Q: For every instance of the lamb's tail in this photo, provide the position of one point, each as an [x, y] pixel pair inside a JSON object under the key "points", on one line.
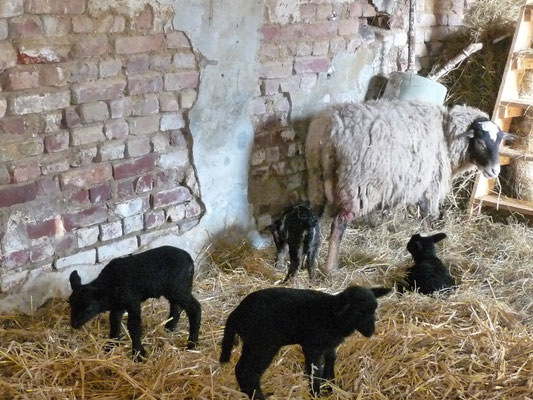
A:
{"points": [[229, 340]]}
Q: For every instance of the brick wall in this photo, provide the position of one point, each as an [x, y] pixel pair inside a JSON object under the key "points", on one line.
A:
{"points": [[298, 51], [94, 144]]}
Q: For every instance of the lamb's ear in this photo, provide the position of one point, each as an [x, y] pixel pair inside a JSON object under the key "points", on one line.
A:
{"points": [[379, 292], [341, 308], [438, 237], [75, 280]]}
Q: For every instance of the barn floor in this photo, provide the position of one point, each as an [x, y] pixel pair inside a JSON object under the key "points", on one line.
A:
{"points": [[476, 343]]}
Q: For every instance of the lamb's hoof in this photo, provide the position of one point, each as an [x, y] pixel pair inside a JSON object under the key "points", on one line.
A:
{"points": [[109, 346], [191, 345], [325, 389], [170, 326], [139, 355]]}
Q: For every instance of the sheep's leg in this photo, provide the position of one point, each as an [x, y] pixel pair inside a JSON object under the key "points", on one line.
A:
{"points": [[329, 369], [311, 248], [194, 314], [338, 226], [295, 256], [250, 367], [135, 330], [175, 311], [314, 367]]}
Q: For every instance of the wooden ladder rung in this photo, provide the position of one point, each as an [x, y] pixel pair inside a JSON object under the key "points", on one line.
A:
{"points": [[506, 203]]}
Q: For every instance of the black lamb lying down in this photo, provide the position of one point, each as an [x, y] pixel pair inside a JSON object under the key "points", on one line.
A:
{"points": [[126, 282], [268, 319], [429, 274], [297, 232]]}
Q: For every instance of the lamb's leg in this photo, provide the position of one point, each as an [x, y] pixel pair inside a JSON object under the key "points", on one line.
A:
{"points": [[250, 367], [314, 367], [175, 311], [311, 249], [295, 256], [194, 314], [115, 317], [281, 256], [329, 369], [338, 226], [135, 330]]}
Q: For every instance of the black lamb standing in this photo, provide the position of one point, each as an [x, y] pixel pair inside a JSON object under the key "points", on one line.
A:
{"points": [[271, 318], [297, 232], [429, 274], [126, 282]]}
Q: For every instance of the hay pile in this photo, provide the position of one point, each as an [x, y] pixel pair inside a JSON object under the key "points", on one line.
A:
{"points": [[476, 343]]}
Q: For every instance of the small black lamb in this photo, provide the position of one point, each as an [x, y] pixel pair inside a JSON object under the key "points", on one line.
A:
{"points": [[271, 318], [428, 274], [126, 282], [297, 232]]}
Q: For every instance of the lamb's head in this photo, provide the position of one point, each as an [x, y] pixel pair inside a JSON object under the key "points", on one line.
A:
{"points": [[85, 301], [356, 308], [422, 246], [484, 145]]}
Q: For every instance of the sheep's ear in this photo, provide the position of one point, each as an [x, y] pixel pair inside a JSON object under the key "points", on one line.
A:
{"points": [[379, 292], [75, 280], [438, 237], [509, 136]]}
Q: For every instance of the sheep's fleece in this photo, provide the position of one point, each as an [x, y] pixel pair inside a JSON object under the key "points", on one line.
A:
{"points": [[377, 154]]}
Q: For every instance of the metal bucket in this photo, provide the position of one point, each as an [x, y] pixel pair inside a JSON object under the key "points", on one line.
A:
{"points": [[409, 86]]}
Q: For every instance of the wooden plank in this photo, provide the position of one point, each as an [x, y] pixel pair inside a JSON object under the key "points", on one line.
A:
{"points": [[506, 203]]}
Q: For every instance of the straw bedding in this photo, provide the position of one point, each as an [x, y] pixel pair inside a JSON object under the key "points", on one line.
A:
{"points": [[476, 343]]}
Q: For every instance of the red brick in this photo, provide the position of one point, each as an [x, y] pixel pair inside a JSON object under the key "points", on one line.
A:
{"points": [[110, 67], [144, 184], [146, 105], [45, 100], [111, 24], [93, 112], [293, 31], [84, 218], [168, 102], [349, 27], [18, 150], [103, 89], [83, 24], [111, 230], [176, 40], [47, 186], [180, 80], [36, 53], [25, 172], [56, 26], [111, 150], [25, 26], [16, 259], [54, 166], [65, 243], [82, 156], [88, 176], [138, 44], [125, 189], [322, 29], [79, 196], [120, 108], [92, 46], [170, 197], [52, 75], [11, 8], [151, 82], [12, 126], [8, 55], [11, 195], [138, 147], [21, 78], [144, 125], [131, 168], [138, 64], [118, 129], [100, 193], [55, 6], [311, 64], [41, 251], [193, 210], [50, 227], [71, 118], [270, 33], [82, 70], [87, 134], [143, 20], [308, 12], [275, 70], [154, 219]]}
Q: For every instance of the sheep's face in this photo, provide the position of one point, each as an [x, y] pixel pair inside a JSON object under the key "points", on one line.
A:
{"points": [[84, 305], [485, 140]]}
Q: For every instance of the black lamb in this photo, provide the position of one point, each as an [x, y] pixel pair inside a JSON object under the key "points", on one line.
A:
{"points": [[429, 274], [126, 282], [297, 232], [271, 318]]}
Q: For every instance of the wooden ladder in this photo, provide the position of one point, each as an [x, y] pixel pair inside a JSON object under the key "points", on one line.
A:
{"points": [[510, 105]]}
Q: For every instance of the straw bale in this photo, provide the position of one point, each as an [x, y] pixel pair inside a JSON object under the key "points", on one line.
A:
{"points": [[476, 342]]}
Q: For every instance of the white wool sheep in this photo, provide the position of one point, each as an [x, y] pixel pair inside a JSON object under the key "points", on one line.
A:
{"points": [[382, 153]]}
